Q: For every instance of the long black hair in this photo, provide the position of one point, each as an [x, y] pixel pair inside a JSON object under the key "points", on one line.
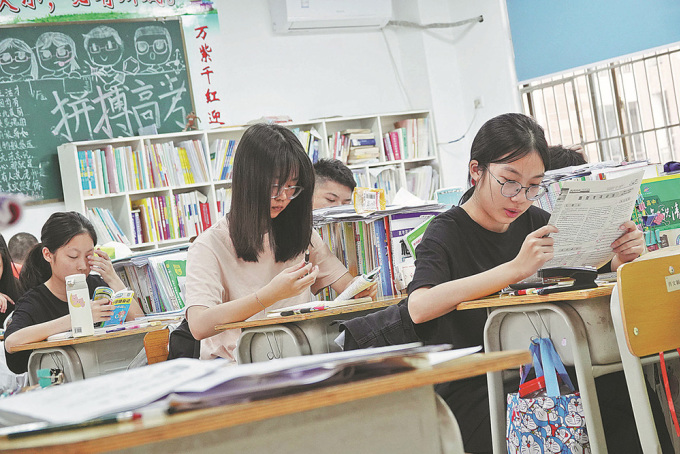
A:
{"points": [[268, 154], [9, 285], [58, 230], [506, 138]]}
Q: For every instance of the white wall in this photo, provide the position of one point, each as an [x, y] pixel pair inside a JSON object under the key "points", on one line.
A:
{"points": [[318, 75]]}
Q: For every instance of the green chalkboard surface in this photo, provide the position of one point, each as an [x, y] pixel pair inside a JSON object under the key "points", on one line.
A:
{"points": [[84, 81]]}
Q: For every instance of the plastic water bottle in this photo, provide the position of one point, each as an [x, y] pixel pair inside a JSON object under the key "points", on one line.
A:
{"points": [[78, 298]]}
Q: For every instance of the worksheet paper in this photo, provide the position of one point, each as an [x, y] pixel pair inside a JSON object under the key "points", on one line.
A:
{"points": [[588, 215]]}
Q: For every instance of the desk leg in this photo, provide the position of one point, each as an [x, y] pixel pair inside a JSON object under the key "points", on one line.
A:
{"points": [[582, 365]]}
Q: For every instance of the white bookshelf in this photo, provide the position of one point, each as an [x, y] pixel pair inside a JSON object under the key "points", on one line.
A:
{"points": [[120, 203]]}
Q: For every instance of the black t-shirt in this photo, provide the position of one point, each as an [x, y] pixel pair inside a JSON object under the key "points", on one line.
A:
{"points": [[453, 247], [36, 306]]}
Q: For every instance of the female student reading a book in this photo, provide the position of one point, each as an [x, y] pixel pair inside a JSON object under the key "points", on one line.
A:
{"points": [[496, 237], [10, 290], [66, 247], [254, 258]]}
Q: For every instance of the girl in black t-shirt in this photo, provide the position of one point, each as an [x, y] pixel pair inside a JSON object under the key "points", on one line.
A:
{"points": [[10, 290], [496, 237], [66, 247]]}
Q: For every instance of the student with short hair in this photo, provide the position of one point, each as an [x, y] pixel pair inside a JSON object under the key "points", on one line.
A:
{"points": [[254, 258], [334, 184], [497, 237], [19, 245], [66, 248], [10, 289]]}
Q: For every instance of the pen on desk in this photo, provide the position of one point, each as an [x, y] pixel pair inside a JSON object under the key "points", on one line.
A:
{"points": [[303, 311], [45, 427]]}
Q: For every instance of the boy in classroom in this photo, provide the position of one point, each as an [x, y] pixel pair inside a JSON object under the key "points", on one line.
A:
{"points": [[19, 245], [333, 185], [497, 237], [66, 248], [264, 253]]}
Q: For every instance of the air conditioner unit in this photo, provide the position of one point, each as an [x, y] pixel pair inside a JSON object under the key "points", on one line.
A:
{"points": [[329, 15]]}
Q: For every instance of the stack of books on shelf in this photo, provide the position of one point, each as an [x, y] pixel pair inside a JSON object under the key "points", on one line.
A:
{"points": [[363, 242], [354, 146], [158, 279], [165, 217], [112, 170], [422, 182], [106, 226], [179, 165], [310, 140], [223, 199], [409, 140], [385, 178], [222, 158], [554, 179]]}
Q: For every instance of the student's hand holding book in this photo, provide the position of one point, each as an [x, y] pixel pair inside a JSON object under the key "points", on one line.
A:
{"points": [[536, 250], [628, 246], [101, 310], [290, 282]]}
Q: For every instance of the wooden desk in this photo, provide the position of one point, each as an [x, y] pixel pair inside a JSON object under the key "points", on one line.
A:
{"points": [[301, 334], [574, 321], [87, 356], [396, 413]]}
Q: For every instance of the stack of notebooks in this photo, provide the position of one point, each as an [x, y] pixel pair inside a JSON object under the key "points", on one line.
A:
{"points": [[112, 170], [158, 279], [363, 243]]}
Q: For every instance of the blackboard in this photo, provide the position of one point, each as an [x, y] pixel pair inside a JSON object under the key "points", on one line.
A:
{"points": [[71, 82]]}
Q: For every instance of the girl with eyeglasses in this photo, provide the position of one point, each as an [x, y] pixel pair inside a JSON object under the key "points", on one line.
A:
{"points": [[254, 258], [496, 237]]}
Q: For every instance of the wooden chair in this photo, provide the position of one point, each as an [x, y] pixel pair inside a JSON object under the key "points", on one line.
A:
{"points": [[645, 307], [156, 345]]}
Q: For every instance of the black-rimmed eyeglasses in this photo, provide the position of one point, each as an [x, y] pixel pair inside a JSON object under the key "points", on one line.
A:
{"points": [[511, 188]]}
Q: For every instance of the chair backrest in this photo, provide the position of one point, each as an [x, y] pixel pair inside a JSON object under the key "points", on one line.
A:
{"points": [[649, 297], [156, 345]]}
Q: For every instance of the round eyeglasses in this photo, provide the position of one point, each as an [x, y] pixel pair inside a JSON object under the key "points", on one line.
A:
{"points": [[290, 191], [511, 188]]}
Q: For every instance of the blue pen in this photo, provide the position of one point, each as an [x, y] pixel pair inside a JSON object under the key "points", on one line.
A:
{"points": [[122, 328]]}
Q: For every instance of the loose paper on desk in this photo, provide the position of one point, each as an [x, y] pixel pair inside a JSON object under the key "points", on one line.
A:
{"points": [[588, 215], [131, 389]]}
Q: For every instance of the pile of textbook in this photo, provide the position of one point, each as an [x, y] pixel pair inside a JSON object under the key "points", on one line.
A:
{"points": [[363, 242], [158, 278]]}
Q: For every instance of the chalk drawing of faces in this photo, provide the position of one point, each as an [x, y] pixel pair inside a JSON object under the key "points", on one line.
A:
{"points": [[56, 54], [105, 49], [154, 46], [17, 61]]}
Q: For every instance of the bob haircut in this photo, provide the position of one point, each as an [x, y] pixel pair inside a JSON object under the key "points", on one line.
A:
{"points": [[58, 230], [266, 155], [506, 138]]}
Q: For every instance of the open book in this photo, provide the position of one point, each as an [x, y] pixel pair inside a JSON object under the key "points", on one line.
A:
{"points": [[120, 301]]}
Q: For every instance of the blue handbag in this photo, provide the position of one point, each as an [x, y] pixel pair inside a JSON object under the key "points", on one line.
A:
{"points": [[549, 421]]}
